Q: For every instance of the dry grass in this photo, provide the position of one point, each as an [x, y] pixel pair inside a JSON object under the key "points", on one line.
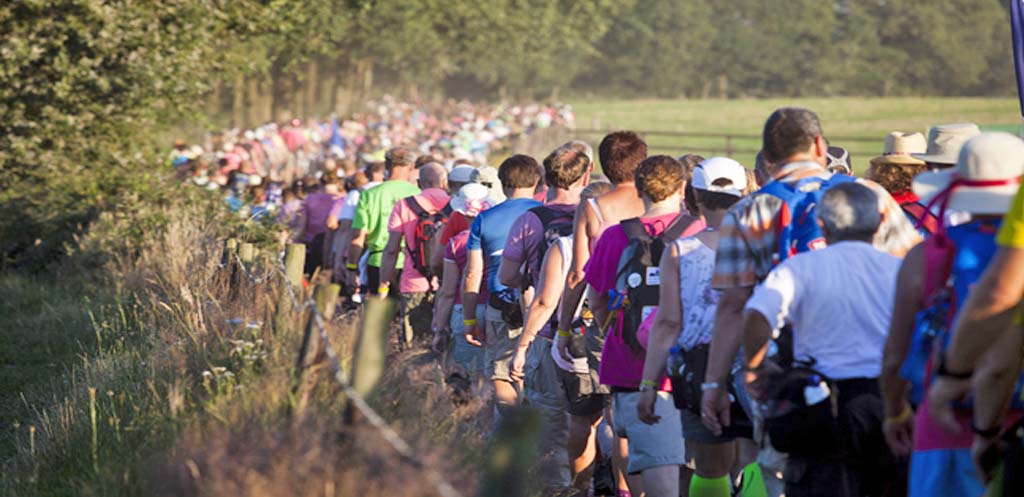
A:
{"points": [[195, 377]]}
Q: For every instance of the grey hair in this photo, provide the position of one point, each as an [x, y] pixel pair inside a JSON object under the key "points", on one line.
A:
{"points": [[849, 211]]}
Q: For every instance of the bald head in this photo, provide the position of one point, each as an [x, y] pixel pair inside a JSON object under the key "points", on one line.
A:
{"points": [[433, 175]]}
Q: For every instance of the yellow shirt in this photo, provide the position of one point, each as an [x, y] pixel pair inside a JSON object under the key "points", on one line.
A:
{"points": [[1012, 232]]}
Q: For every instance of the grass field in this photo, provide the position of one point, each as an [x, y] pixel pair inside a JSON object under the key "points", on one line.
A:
{"points": [[859, 124]]}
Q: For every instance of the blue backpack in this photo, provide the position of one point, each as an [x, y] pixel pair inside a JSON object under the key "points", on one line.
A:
{"points": [[955, 258], [798, 228]]}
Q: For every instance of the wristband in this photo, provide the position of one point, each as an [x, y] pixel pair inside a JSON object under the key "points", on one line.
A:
{"points": [[649, 383], [352, 266], [902, 417], [383, 289], [942, 371], [709, 385], [469, 322], [564, 333], [987, 434]]}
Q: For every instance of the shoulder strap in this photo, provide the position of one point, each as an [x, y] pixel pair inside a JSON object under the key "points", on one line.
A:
{"points": [[597, 209], [939, 251], [924, 217], [678, 227], [635, 229], [416, 207], [447, 210], [547, 215]]}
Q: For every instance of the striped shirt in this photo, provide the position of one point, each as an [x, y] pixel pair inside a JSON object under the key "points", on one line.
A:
{"points": [[748, 241]]}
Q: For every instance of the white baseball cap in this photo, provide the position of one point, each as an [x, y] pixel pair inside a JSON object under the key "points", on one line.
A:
{"points": [[715, 168]]}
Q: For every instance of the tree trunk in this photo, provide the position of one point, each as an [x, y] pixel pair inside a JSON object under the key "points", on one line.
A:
{"points": [[311, 84], [253, 106], [238, 103], [723, 86], [213, 99]]}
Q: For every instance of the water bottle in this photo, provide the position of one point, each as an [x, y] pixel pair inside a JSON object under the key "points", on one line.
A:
{"points": [[816, 390], [675, 362]]}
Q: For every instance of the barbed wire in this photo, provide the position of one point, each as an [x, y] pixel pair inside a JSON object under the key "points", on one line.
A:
{"points": [[393, 439]]}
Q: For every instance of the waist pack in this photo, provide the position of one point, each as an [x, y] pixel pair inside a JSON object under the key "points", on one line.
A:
{"points": [[507, 302], [687, 393], [802, 411]]}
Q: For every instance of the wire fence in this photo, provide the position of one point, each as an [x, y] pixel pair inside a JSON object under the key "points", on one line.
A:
{"points": [[315, 323]]}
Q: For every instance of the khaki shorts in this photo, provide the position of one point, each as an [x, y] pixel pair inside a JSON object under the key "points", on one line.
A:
{"points": [[544, 392], [650, 446], [499, 346]]}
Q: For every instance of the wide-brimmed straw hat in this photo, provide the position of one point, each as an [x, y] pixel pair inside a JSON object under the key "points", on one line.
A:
{"points": [[984, 180], [472, 199], [945, 140], [898, 149]]}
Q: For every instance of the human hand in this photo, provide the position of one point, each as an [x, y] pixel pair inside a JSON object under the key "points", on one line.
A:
{"points": [[987, 453], [941, 394], [714, 410], [562, 346], [518, 364], [757, 380], [645, 407], [899, 432], [474, 335]]}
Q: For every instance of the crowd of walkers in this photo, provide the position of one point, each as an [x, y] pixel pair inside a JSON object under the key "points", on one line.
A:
{"points": [[690, 326]]}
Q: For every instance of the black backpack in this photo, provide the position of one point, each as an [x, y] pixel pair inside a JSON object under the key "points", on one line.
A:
{"points": [[427, 225], [556, 224], [638, 277]]}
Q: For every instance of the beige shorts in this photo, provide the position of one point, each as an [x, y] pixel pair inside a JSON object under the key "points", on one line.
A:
{"points": [[499, 346]]}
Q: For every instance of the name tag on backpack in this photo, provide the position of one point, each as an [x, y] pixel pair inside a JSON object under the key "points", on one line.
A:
{"points": [[654, 276]]}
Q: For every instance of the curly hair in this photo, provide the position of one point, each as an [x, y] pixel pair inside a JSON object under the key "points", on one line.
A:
{"points": [[659, 176], [895, 178]]}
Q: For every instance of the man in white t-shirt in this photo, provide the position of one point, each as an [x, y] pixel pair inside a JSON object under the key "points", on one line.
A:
{"points": [[839, 302]]}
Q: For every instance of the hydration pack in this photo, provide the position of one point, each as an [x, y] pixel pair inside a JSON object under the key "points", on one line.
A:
{"points": [[555, 224], [427, 225], [798, 230], [954, 260], [638, 278]]}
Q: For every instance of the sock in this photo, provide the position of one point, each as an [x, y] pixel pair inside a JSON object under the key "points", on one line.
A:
{"points": [[753, 482], [710, 487]]}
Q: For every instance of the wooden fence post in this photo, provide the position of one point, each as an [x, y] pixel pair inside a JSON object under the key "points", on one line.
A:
{"points": [[371, 347], [230, 248], [247, 254], [294, 262], [512, 453]]}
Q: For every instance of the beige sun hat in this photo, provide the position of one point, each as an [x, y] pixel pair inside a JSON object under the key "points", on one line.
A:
{"points": [[899, 146], [488, 176], [945, 140], [984, 180]]}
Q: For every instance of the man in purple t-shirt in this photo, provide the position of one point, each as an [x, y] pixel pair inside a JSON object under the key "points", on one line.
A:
{"points": [[566, 172]]}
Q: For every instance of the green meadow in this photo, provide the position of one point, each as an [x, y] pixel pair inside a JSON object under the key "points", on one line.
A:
{"points": [[859, 124]]}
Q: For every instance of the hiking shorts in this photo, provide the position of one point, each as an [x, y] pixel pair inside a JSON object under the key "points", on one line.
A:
{"points": [[583, 391], [499, 345], [465, 354], [543, 392], [650, 446]]}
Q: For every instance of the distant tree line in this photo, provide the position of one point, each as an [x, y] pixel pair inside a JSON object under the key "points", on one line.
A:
{"points": [[87, 86]]}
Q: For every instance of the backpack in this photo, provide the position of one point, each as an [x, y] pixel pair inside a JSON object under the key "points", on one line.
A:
{"points": [[954, 261], [556, 224], [427, 225], [638, 277], [798, 230], [926, 222]]}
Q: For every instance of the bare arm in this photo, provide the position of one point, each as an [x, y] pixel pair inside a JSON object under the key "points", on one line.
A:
{"points": [[436, 261], [471, 288], [994, 381], [547, 295], [390, 257], [901, 330], [668, 323], [450, 280], [510, 274], [584, 228]]}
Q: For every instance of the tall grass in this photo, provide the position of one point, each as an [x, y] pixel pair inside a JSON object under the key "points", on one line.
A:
{"points": [[183, 386]]}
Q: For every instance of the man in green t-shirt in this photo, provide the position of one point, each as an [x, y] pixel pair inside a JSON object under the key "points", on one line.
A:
{"points": [[370, 224]]}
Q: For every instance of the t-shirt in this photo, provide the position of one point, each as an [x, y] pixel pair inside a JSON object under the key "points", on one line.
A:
{"points": [[372, 215], [1011, 234], [348, 210], [455, 251], [839, 301], [748, 239], [456, 224], [698, 299], [489, 232], [526, 240], [403, 221], [620, 365], [317, 206]]}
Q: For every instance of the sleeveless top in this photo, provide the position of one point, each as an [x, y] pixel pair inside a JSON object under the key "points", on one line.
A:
{"points": [[699, 301], [592, 202], [579, 365]]}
